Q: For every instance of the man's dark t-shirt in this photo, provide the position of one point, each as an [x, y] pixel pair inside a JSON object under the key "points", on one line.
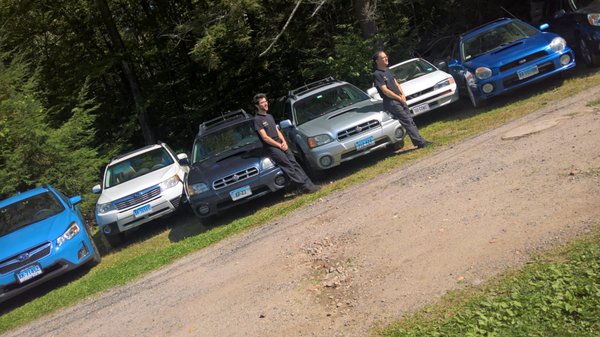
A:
{"points": [[385, 77], [268, 123]]}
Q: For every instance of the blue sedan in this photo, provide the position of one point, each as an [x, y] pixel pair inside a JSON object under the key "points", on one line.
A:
{"points": [[42, 235], [504, 55]]}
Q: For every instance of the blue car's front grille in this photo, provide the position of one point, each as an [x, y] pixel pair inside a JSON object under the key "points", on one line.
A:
{"points": [[137, 198], [358, 129], [24, 258], [234, 178], [523, 60], [543, 68]]}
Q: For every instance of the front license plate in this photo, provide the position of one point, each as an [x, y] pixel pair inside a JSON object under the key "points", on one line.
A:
{"points": [[29, 273], [240, 193], [527, 72], [365, 143], [138, 212], [420, 108]]}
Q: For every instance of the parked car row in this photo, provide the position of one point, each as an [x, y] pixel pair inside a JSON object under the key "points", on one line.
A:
{"points": [[327, 122]]}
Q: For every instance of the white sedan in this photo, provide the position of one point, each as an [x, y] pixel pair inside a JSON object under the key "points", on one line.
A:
{"points": [[425, 86]]}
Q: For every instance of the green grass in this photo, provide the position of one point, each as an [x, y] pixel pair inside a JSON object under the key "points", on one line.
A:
{"points": [[593, 102], [557, 294], [135, 260]]}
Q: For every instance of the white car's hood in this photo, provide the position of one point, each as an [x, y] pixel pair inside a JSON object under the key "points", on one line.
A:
{"points": [[416, 85], [137, 184]]}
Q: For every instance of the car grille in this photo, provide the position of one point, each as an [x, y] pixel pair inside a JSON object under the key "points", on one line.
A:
{"points": [[523, 60], [413, 104], [514, 79], [138, 198], [420, 93], [234, 178], [355, 130], [20, 260]]}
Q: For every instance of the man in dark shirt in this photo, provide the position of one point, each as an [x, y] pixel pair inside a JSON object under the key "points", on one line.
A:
{"points": [[394, 100], [276, 146]]}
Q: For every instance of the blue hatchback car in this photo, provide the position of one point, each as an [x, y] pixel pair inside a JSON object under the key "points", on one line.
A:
{"points": [[42, 235], [504, 55]]}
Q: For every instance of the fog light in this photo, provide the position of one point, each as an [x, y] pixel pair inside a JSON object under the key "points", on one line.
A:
{"points": [[203, 209], [326, 161], [565, 59], [83, 252], [106, 230], [399, 133], [487, 88], [280, 180]]}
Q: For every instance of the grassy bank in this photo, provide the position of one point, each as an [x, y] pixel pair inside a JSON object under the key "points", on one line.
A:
{"points": [[138, 259]]}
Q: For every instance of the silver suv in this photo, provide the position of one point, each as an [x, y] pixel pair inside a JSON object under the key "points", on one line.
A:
{"points": [[138, 187], [329, 121]]}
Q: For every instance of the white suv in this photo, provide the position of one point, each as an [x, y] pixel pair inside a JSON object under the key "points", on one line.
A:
{"points": [[138, 187]]}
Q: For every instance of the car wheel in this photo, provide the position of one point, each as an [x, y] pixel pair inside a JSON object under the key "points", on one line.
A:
{"points": [[115, 240], [398, 145], [314, 174], [95, 260], [475, 101], [590, 59]]}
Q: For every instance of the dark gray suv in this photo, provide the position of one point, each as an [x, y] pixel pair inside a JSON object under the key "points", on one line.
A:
{"points": [[229, 166]]}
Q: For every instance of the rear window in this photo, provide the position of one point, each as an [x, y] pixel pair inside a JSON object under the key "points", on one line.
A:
{"points": [[28, 211]]}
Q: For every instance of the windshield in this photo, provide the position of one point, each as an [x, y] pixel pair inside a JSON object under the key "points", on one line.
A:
{"points": [[496, 37], [137, 166], [326, 101], [578, 4], [214, 144], [28, 211], [413, 69]]}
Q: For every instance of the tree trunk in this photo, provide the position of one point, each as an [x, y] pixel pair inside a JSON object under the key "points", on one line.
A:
{"points": [[364, 12], [128, 70]]}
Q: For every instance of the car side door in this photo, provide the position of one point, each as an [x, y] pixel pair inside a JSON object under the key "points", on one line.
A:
{"points": [[456, 68]]}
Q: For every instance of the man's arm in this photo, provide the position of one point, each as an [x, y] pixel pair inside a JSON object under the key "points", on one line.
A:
{"points": [[263, 134], [393, 95]]}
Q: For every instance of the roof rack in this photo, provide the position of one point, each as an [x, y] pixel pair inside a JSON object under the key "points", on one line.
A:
{"points": [[481, 26], [307, 87], [225, 116]]}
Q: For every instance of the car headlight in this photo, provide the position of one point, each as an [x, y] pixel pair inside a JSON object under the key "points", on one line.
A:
{"points": [[558, 44], [469, 78], [443, 83], [171, 182], [318, 140], [483, 72], [68, 234], [197, 188], [105, 208], [266, 164], [594, 19]]}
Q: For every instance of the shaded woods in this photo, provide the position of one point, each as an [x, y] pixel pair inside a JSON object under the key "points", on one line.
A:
{"points": [[83, 80]]}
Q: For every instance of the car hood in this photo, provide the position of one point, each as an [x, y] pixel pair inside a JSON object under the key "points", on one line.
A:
{"points": [[227, 164], [344, 118], [512, 52], [137, 184], [35, 234], [424, 82]]}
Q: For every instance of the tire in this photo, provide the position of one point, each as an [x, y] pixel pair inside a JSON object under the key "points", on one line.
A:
{"points": [[590, 59], [398, 145], [475, 101], [96, 258], [313, 174], [115, 240]]}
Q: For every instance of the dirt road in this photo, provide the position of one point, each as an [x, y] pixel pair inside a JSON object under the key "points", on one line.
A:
{"points": [[371, 253]]}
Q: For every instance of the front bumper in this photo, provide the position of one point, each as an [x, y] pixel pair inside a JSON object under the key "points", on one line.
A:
{"points": [[59, 260], [215, 201], [433, 100], [509, 80], [118, 221], [336, 152]]}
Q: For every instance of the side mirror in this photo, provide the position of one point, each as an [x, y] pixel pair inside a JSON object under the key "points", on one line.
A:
{"points": [[374, 94], [183, 159], [544, 26], [285, 124], [96, 189], [559, 13], [75, 200], [453, 63], [442, 65]]}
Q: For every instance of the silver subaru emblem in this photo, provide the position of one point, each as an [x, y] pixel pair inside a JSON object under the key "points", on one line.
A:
{"points": [[522, 61], [23, 257], [358, 129], [235, 177]]}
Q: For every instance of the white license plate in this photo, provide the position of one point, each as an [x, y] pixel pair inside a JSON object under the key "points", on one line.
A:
{"points": [[240, 193], [364, 143], [29, 273], [138, 212], [527, 72], [420, 108]]}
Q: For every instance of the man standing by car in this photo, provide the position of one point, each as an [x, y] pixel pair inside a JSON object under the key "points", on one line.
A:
{"points": [[276, 146], [394, 100]]}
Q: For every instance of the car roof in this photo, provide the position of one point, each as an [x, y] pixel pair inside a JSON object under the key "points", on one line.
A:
{"points": [[317, 86], [23, 195], [485, 27], [225, 120], [134, 153]]}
